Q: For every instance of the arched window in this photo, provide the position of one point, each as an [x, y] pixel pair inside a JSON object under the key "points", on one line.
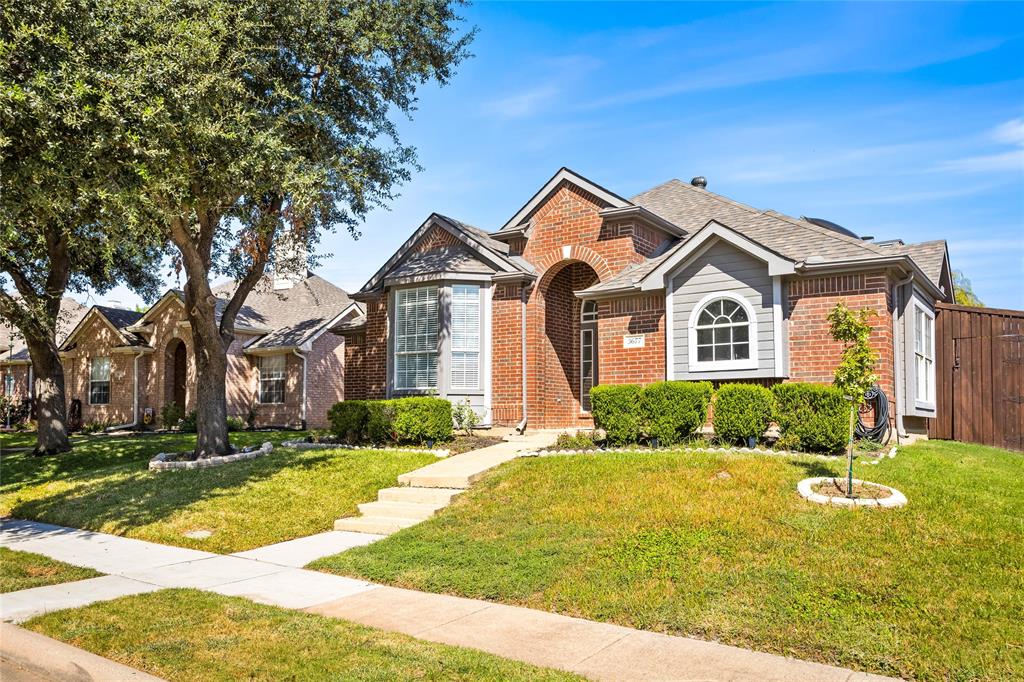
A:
{"points": [[723, 333]]}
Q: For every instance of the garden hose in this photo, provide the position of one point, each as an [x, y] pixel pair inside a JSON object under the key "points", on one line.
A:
{"points": [[881, 431]]}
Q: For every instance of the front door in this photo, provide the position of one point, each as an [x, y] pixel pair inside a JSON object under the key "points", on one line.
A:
{"points": [[180, 369]]}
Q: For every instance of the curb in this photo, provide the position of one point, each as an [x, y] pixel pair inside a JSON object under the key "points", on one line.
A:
{"points": [[54, 660]]}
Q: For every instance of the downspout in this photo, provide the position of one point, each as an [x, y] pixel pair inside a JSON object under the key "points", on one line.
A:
{"points": [[521, 426], [302, 410], [898, 354], [135, 398]]}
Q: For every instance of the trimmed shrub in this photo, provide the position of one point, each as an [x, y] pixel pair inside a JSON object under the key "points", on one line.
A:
{"points": [[188, 422], [170, 415], [421, 419], [380, 420], [616, 409], [581, 440], [236, 424], [674, 410], [741, 411], [349, 419], [816, 416]]}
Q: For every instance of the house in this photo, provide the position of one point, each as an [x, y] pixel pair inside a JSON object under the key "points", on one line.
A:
{"points": [[16, 365], [123, 366], [582, 286]]}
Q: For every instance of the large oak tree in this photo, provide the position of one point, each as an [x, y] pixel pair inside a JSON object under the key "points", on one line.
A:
{"points": [[65, 225], [266, 124]]}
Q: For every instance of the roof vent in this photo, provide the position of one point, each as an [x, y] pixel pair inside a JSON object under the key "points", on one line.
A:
{"points": [[700, 181]]}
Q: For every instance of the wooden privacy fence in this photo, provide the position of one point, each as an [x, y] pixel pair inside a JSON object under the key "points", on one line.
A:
{"points": [[979, 376]]}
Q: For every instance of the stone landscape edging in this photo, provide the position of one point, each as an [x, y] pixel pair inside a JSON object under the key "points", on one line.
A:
{"points": [[305, 445], [549, 452], [160, 461], [806, 490]]}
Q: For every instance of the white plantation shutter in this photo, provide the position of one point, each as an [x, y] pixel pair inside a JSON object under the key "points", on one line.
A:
{"points": [[465, 336], [416, 338]]}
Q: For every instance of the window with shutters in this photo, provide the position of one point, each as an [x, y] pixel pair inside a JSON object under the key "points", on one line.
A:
{"points": [[416, 338], [99, 381], [465, 330], [272, 377]]}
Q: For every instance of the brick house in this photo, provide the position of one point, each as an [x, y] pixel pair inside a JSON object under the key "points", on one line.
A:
{"points": [[122, 366], [582, 286]]}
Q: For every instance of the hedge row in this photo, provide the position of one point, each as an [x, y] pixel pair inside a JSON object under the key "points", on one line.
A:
{"points": [[400, 420], [811, 417]]}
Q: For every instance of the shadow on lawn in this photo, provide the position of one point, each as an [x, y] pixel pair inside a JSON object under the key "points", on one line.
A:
{"points": [[131, 496], [814, 469]]}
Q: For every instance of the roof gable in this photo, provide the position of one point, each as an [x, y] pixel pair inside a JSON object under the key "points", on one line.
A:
{"points": [[465, 240], [564, 174]]}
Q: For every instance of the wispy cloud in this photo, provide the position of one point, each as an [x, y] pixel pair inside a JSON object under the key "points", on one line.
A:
{"points": [[1007, 133], [521, 104]]}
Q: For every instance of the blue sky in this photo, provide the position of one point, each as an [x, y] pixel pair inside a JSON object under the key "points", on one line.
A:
{"points": [[899, 120]]}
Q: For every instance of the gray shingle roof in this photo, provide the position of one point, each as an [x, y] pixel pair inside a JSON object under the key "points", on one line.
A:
{"points": [[930, 256], [456, 259], [691, 208], [12, 346], [292, 314]]}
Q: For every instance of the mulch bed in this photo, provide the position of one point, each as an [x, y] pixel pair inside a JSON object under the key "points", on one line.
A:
{"points": [[836, 487]]}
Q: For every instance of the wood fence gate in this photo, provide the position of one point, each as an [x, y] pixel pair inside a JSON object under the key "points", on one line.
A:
{"points": [[979, 376]]}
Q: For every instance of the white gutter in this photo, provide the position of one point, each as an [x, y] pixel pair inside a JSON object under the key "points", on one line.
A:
{"points": [[521, 426], [898, 354], [302, 410], [135, 398]]}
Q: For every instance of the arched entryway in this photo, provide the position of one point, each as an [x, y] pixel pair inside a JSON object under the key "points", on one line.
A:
{"points": [[176, 373], [567, 358]]}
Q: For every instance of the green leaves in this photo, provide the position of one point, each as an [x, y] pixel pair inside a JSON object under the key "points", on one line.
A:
{"points": [[855, 374]]}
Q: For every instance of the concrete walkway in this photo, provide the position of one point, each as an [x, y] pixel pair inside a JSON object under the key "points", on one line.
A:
{"points": [[596, 650], [421, 493]]}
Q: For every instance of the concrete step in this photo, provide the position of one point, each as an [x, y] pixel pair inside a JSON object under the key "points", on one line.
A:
{"points": [[400, 510], [428, 495], [377, 525], [415, 480]]}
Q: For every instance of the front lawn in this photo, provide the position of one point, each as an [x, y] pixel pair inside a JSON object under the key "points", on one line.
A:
{"points": [[721, 547], [105, 485], [25, 570], [189, 635]]}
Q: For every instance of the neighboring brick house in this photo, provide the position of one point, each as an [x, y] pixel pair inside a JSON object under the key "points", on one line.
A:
{"points": [[582, 287], [124, 366], [16, 376]]}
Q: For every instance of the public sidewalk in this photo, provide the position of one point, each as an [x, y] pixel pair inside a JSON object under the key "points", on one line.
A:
{"points": [[596, 650]]}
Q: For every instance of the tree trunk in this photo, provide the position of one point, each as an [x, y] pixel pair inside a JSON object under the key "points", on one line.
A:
{"points": [[48, 387], [211, 400], [211, 372]]}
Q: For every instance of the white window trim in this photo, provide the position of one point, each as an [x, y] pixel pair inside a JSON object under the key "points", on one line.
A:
{"points": [[917, 304], [395, 353], [721, 365], [259, 380], [454, 387], [109, 381]]}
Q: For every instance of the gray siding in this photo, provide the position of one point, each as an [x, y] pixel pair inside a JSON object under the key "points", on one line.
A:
{"points": [[723, 268]]}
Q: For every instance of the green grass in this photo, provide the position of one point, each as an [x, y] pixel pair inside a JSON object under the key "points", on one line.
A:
{"points": [[191, 636], [659, 541], [104, 484], [24, 570]]}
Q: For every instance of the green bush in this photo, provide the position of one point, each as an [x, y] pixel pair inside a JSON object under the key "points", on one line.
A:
{"points": [[616, 409], [380, 421], [188, 422], [349, 420], [815, 416], [419, 419], [170, 415], [741, 411], [465, 417], [674, 410], [236, 424], [581, 440]]}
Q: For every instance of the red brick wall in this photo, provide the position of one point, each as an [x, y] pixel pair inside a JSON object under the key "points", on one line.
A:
{"points": [[374, 349], [326, 376], [569, 218], [813, 355], [96, 339], [355, 372], [631, 316], [506, 354]]}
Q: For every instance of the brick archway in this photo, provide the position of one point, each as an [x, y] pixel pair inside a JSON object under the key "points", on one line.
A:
{"points": [[555, 395]]}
